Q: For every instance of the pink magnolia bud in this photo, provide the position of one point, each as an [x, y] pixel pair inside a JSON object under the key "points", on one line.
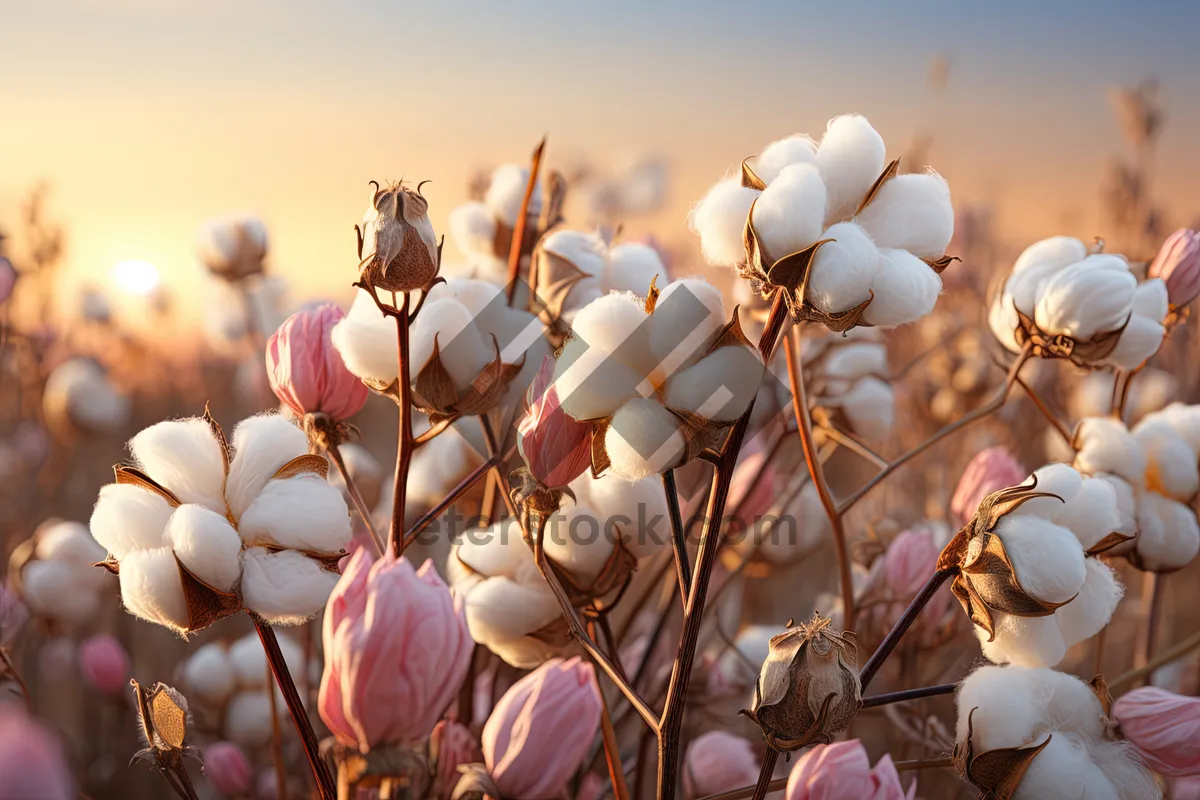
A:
{"points": [[718, 762], [842, 770], [396, 650], [452, 744], [541, 729], [31, 759], [556, 447], [903, 569], [104, 664], [1164, 727], [305, 369], [989, 471], [1178, 264], [228, 768]]}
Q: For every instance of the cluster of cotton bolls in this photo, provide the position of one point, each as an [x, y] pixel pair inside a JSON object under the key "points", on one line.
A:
{"points": [[1086, 307], [482, 229], [881, 238], [847, 377], [79, 396], [1019, 707], [1153, 472], [55, 574], [595, 540]]}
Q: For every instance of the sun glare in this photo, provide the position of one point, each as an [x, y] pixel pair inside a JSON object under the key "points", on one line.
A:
{"points": [[138, 277]]}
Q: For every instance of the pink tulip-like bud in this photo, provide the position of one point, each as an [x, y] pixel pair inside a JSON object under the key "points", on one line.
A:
{"points": [[842, 770], [31, 759], [396, 650], [305, 369], [989, 471], [718, 762], [542, 729], [556, 447], [1178, 264], [13, 615], [1164, 727], [903, 569], [451, 745], [227, 767], [104, 664], [8, 279]]}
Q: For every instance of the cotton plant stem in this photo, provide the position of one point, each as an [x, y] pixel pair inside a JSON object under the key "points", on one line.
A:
{"points": [[404, 439], [450, 499], [847, 441], [608, 734], [908, 694], [1153, 590], [924, 763], [765, 772], [1050, 416], [283, 678], [902, 625], [355, 496], [518, 239], [1178, 651], [678, 536], [276, 739], [501, 480], [817, 472], [746, 792]]}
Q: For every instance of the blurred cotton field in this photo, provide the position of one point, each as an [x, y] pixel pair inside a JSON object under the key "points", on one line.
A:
{"points": [[566, 418]]}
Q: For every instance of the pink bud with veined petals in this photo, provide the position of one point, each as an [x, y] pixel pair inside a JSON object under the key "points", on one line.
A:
{"points": [[396, 650], [842, 770], [540, 731], [989, 471], [718, 762], [556, 447], [306, 371], [227, 767], [1164, 727], [31, 759], [104, 664], [452, 744], [1178, 264], [903, 569]]}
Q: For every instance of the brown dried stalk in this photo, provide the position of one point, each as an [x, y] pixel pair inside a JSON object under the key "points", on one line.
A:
{"points": [[1153, 594], [908, 694], [678, 537], [1178, 651], [765, 772], [902, 625], [404, 440], [748, 791], [518, 239], [276, 739]]}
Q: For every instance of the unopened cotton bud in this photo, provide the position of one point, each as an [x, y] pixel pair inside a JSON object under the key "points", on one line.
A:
{"points": [[782, 153], [790, 214], [905, 289], [841, 771], [990, 470], [718, 762], [1178, 264], [850, 158], [306, 371], [720, 220], [556, 447], [399, 247], [911, 212], [842, 271]]}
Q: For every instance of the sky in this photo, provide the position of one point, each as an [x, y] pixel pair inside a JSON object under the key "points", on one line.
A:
{"points": [[147, 117]]}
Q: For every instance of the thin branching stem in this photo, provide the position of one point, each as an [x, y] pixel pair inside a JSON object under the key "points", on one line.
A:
{"points": [[355, 496], [404, 439], [450, 499], [908, 694], [678, 537], [1050, 416], [902, 625], [1166, 657]]}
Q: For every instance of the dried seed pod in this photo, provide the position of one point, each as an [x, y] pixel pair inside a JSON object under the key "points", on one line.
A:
{"points": [[397, 246]]}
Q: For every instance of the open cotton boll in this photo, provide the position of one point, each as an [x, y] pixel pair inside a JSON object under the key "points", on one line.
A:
{"points": [[1150, 299], [1046, 558], [69, 543], [476, 295], [1055, 253], [248, 718], [366, 341], [1124, 768], [1060, 480], [497, 550], [1082, 301], [461, 347], [151, 588], [579, 540], [1168, 534], [128, 518], [284, 588], [207, 545], [51, 589], [249, 663], [507, 191], [262, 444], [870, 407], [473, 228], [856, 360], [1003, 320], [631, 268], [629, 505], [1141, 339], [586, 251], [718, 387], [1106, 445], [591, 381], [1092, 514], [1083, 617], [686, 321], [303, 513], [644, 439], [184, 457], [905, 287], [1069, 704], [1024, 641], [1010, 703], [719, 219], [1064, 769], [850, 158], [1185, 420], [842, 271], [1171, 467], [911, 212], [209, 673], [790, 213], [500, 608], [798, 148]]}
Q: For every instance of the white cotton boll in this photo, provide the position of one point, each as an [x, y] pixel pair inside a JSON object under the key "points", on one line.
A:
{"points": [[644, 439], [592, 382], [1060, 480], [1003, 320], [1168, 535], [631, 506], [475, 295], [1064, 769], [1150, 299], [183, 456], [614, 322], [461, 347], [842, 271], [579, 540], [690, 314], [284, 588], [1024, 641], [1141, 339], [719, 219], [790, 214], [262, 444], [51, 589], [248, 718], [1106, 445], [209, 674], [1056, 252], [870, 407], [1125, 770], [507, 191], [1171, 467], [1185, 420], [631, 268], [911, 212], [856, 360], [303, 513], [69, 543], [850, 158], [503, 609], [1009, 702], [497, 550], [128, 518], [207, 545], [906, 289], [1083, 301], [586, 251], [151, 587], [1071, 705], [1046, 558], [1126, 507], [473, 228], [798, 148], [249, 663], [1092, 514], [1083, 617], [366, 341], [718, 387], [1026, 288], [787, 537]]}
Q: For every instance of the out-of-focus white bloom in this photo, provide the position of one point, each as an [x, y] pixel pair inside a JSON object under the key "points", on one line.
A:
{"points": [[1089, 308], [228, 323], [879, 238], [847, 377], [202, 528], [1150, 390], [794, 525], [482, 230], [737, 667], [233, 247], [1062, 727], [57, 580], [79, 396]]}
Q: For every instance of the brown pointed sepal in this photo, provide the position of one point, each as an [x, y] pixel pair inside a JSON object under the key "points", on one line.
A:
{"points": [[205, 604], [997, 774], [889, 172], [1114, 539], [939, 265]]}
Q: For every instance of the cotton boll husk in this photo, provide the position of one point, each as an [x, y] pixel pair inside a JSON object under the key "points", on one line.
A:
{"points": [[151, 587], [207, 545], [1003, 320], [842, 271], [507, 191], [1168, 535], [1106, 445], [1011, 705], [303, 513], [1055, 252], [850, 158], [262, 444], [1024, 641], [249, 663], [718, 387], [720, 220], [1046, 558], [790, 214], [1064, 769], [1171, 467], [1083, 617], [1150, 299], [473, 228], [798, 148], [1060, 480], [284, 588], [686, 321], [856, 360], [906, 289], [627, 503], [366, 341], [911, 212], [1092, 514], [576, 539], [1083, 301], [209, 674], [870, 407], [51, 589], [183, 456], [631, 268], [644, 439], [1185, 420], [1141, 339], [462, 348], [248, 718], [128, 518], [500, 608]]}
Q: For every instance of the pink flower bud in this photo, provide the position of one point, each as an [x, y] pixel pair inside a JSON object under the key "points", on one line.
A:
{"points": [[901, 572], [541, 729], [305, 369], [13, 615], [228, 768], [31, 759], [556, 447], [104, 664], [8, 279], [718, 762], [842, 770], [452, 744], [989, 470], [1164, 727], [396, 650], [1178, 264]]}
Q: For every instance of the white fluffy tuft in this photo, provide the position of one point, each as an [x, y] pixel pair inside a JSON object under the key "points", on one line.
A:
{"points": [[644, 439], [151, 588], [905, 287], [366, 341], [129, 518], [303, 513], [850, 157], [207, 545], [798, 148], [842, 271], [507, 191], [719, 219], [284, 588], [473, 228], [718, 387], [183, 455], [913, 213], [262, 444], [631, 268], [790, 213], [461, 346]]}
